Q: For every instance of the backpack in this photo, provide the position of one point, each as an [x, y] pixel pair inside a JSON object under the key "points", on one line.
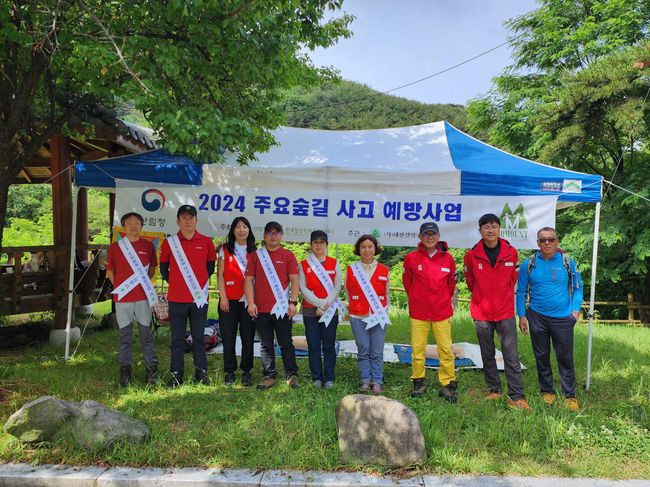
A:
{"points": [[211, 336], [566, 260]]}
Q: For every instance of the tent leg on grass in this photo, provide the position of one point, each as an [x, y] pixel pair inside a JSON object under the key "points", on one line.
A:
{"points": [[592, 294], [73, 251]]}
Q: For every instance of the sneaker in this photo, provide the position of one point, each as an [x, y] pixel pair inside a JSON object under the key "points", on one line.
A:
{"points": [[151, 375], [365, 386], [293, 381], [448, 392], [125, 375], [229, 379], [328, 384], [267, 383], [571, 403], [318, 383], [176, 380], [519, 404], [419, 387], [493, 395], [376, 388], [246, 379], [201, 377], [548, 398]]}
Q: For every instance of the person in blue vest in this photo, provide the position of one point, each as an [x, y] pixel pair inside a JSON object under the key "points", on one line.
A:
{"points": [[554, 285]]}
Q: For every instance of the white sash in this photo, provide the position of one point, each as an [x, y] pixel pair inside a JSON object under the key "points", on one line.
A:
{"points": [[378, 315], [242, 261], [139, 276], [200, 295], [281, 295], [327, 283]]}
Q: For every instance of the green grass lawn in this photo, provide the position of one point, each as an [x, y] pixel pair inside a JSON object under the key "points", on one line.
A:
{"points": [[296, 429]]}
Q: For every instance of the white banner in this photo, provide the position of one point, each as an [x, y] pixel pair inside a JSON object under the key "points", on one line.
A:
{"points": [[394, 218]]}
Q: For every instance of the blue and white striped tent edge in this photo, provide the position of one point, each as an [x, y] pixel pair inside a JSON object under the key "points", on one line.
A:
{"points": [[435, 157]]}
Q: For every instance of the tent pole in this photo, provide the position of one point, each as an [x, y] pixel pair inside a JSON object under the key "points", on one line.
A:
{"points": [[592, 294], [73, 251]]}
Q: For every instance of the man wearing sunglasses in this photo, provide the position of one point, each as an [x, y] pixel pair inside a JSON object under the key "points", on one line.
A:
{"points": [[491, 273], [555, 288], [271, 285]]}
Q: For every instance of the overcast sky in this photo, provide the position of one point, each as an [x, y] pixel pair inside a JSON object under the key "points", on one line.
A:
{"points": [[397, 42]]}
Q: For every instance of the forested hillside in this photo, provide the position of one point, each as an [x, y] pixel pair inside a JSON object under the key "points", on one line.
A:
{"points": [[353, 106]]}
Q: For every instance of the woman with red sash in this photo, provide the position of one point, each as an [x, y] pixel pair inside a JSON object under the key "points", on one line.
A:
{"points": [[370, 341], [233, 257], [320, 285]]}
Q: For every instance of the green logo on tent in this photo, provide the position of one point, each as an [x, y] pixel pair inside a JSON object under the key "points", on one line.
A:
{"points": [[513, 223]]}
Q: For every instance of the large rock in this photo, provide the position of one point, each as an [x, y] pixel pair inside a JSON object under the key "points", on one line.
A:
{"points": [[40, 420], [97, 426], [378, 430]]}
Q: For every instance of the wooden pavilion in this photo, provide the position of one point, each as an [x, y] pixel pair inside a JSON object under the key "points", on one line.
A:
{"points": [[26, 290]]}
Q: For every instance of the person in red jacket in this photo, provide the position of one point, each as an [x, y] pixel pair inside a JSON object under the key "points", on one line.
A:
{"points": [[491, 271], [429, 280]]}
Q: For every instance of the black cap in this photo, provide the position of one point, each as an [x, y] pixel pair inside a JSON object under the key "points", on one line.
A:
{"points": [[270, 225], [429, 227], [316, 234], [186, 209]]}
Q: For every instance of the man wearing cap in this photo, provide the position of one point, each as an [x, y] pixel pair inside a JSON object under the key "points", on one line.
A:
{"points": [[130, 264], [429, 280], [271, 286], [491, 271], [187, 261]]}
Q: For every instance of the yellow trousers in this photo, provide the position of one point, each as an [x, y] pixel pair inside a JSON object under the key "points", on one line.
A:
{"points": [[442, 336]]}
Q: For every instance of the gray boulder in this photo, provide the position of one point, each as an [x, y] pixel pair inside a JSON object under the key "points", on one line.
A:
{"points": [[40, 419], [97, 426], [379, 431]]}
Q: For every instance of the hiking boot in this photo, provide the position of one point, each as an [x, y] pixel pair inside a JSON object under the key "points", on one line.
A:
{"points": [[448, 392], [419, 387], [328, 384], [548, 398], [376, 388], [201, 377], [520, 404], [267, 383], [571, 403], [176, 380], [318, 383], [365, 386], [493, 395], [293, 381], [125, 375], [151, 375], [246, 379], [229, 379]]}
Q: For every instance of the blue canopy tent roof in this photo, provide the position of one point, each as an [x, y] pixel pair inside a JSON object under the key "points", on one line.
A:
{"points": [[398, 153]]}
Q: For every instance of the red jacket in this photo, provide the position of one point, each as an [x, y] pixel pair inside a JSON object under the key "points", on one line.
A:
{"points": [[492, 287], [232, 275], [430, 283], [358, 303], [313, 282]]}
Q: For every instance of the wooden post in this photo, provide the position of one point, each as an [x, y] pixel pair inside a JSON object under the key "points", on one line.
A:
{"points": [[630, 309], [62, 211]]}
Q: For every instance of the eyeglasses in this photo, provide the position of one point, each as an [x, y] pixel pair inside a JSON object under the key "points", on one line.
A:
{"points": [[490, 227], [272, 234], [544, 240], [430, 233]]}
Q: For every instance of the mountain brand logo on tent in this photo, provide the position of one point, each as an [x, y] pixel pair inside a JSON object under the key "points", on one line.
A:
{"points": [[153, 200], [572, 186], [513, 223]]}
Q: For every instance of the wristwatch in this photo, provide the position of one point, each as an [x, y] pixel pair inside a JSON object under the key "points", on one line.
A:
{"points": [[295, 303]]}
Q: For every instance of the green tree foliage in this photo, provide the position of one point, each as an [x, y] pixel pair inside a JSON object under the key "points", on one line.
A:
{"points": [[577, 97], [352, 106], [208, 75]]}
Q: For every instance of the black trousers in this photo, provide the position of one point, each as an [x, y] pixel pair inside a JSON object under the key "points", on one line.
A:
{"points": [[267, 324], [179, 313], [237, 315], [544, 330]]}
